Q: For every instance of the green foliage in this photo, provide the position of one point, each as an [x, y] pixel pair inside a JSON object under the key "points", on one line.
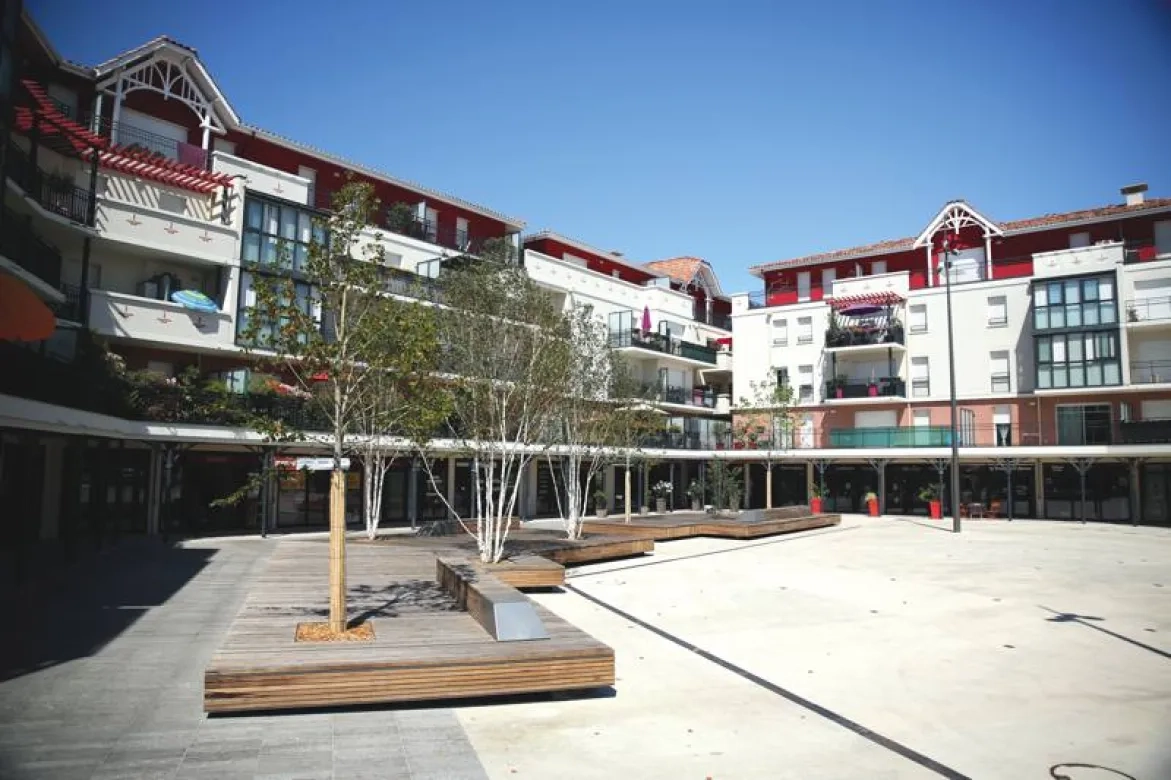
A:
{"points": [[771, 402], [400, 217], [727, 484], [929, 493], [695, 490]]}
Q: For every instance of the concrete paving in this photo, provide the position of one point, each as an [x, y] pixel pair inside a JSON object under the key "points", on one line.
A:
{"points": [[102, 678], [883, 648]]}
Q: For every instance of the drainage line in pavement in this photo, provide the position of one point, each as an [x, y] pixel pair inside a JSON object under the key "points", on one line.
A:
{"points": [[801, 701], [713, 552]]}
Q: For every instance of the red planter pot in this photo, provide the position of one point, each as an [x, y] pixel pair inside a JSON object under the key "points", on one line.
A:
{"points": [[936, 509], [872, 506], [872, 391], [815, 506]]}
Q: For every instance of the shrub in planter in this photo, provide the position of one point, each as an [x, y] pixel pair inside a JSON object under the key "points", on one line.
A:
{"points": [[695, 493], [600, 508], [816, 496], [661, 490], [930, 496], [872, 504]]}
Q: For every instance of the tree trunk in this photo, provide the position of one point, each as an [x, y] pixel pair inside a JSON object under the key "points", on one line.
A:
{"points": [[626, 478], [768, 486], [337, 550]]}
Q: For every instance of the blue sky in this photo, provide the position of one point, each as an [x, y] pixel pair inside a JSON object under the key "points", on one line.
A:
{"points": [[741, 132]]}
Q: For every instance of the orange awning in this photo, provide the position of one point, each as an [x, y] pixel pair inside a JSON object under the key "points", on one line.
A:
{"points": [[23, 315]]}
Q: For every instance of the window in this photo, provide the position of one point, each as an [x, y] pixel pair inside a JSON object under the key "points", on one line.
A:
{"points": [[782, 377], [431, 223], [997, 311], [1083, 424], [278, 235], [920, 377], [1073, 303], [1002, 425], [1001, 375], [921, 417], [461, 233], [1163, 237], [305, 172], [780, 333], [804, 283], [919, 318], [1077, 240], [804, 330], [878, 267], [805, 384], [1078, 360], [304, 294], [828, 275]]}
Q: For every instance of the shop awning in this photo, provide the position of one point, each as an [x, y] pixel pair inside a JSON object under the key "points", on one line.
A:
{"points": [[883, 298], [23, 315]]}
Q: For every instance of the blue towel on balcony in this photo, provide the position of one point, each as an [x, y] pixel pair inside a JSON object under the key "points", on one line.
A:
{"points": [[194, 300]]}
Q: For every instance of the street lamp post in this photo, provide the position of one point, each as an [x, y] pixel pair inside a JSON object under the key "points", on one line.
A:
{"points": [[951, 368]]}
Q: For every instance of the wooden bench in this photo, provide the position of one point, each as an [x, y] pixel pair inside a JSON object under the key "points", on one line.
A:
{"points": [[529, 571], [502, 610]]}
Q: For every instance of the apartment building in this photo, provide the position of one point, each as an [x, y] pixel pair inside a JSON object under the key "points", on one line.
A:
{"points": [[133, 188], [1062, 333]]}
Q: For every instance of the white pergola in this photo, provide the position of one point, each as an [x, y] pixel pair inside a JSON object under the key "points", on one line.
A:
{"points": [[952, 218]]}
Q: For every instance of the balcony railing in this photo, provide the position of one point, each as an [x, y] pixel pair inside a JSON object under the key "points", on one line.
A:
{"points": [[722, 321], [887, 386], [449, 236], [915, 436], [697, 396], [1145, 432], [129, 135], [409, 285], [1148, 309], [862, 336], [54, 193], [22, 246], [661, 343], [1146, 372]]}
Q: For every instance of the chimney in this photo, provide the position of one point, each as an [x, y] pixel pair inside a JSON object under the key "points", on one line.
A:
{"points": [[1134, 193]]}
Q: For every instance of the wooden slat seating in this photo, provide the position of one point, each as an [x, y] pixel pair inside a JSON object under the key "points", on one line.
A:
{"points": [[747, 525], [503, 611], [526, 544], [425, 648], [529, 571]]}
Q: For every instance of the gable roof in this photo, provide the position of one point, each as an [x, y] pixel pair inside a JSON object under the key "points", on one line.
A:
{"points": [[1045, 222], [686, 269]]}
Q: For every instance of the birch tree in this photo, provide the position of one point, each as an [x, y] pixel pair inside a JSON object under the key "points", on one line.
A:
{"points": [[505, 352], [636, 422], [767, 419], [405, 401], [588, 415]]}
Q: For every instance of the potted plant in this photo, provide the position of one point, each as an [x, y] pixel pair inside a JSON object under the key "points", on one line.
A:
{"points": [[930, 496], [816, 496], [872, 387], [1131, 313], [695, 492], [600, 508], [839, 385], [872, 503], [660, 490]]}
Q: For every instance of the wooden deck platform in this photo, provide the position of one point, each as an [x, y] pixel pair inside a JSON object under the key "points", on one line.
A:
{"points": [[526, 548], [425, 648], [681, 525]]}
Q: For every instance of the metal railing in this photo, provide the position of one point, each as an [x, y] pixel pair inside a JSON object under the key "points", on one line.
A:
{"points": [[409, 285], [722, 321], [1146, 372], [914, 436], [135, 138], [55, 193], [70, 308], [449, 236], [20, 244], [1145, 432], [887, 386], [661, 343], [1148, 309], [703, 397]]}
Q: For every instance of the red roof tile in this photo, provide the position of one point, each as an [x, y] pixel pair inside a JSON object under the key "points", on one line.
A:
{"points": [[1020, 225], [681, 269]]}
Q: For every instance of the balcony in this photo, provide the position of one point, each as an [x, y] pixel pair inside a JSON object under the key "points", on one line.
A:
{"points": [[21, 245], [162, 322], [1097, 258], [721, 321], [865, 337], [880, 387], [702, 397], [134, 138], [657, 342], [1150, 372], [1148, 312], [1145, 432], [916, 436], [409, 285], [55, 193], [896, 282]]}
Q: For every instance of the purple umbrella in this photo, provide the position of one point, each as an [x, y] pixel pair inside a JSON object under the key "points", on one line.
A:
{"points": [[860, 310], [646, 319]]}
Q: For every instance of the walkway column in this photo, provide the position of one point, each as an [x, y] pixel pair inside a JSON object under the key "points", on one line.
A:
{"points": [[413, 493], [153, 490], [1039, 488], [450, 487], [51, 495], [1136, 493]]}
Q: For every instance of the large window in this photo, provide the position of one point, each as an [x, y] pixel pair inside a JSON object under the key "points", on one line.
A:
{"points": [[1001, 377], [920, 377], [1074, 303], [278, 235], [918, 318], [306, 300], [1078, 360], [1083, 424]]}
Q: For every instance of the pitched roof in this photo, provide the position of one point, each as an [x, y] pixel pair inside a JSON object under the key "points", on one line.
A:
{"points": [[1044, 222], [681, 269]]}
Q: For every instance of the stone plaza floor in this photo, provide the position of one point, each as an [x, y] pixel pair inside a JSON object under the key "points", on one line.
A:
{"points": [[881, 648]]}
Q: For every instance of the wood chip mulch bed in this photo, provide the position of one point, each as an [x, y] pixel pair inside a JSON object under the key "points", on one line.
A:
{"points": [[321, 632]]}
